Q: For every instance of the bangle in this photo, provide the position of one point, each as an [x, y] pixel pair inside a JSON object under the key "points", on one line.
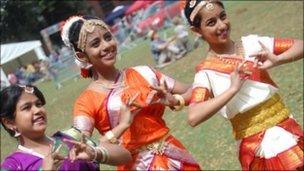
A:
{"points": [[104, 154], [111, 137], [181, 101], [95, 154]]}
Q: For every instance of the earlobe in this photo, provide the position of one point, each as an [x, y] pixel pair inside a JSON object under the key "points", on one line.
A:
{"points": [[82, 57], [8, 123], [196, 31]]}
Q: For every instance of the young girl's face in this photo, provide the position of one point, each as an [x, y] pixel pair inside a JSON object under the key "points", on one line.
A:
{"points": [[101, 48], [215, 26], [30, 116]]}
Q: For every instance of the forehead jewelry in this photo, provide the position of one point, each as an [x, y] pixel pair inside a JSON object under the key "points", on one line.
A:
{"points": [[209, 6], [27, 89], [199, 6], [88, 27]]}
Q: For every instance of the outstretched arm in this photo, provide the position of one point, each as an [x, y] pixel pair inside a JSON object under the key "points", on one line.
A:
{"points": [[266, 59], [200, 112], [105, 152]]}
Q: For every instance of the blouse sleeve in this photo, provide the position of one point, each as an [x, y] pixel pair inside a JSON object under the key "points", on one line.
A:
{"points": [[281, 45], [11, 163], [201, 88], [84, 113]]}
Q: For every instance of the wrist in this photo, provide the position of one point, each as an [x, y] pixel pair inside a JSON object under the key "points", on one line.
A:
{"points": [[123, 126], [233, 90], [111, 137]]}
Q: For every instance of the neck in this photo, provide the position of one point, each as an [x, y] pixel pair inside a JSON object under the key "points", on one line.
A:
{"points": [[34, 142], [106, 74], [227, 48]]}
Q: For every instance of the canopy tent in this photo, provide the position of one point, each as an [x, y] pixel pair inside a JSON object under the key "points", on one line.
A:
{"points": [[15, 54], [117, 12], [137, 5]]}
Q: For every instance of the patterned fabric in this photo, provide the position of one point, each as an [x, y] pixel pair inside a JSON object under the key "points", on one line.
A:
{"points": [[272, 147], [288, 159], [199, 94], [148, 125], [25, 161], [281, 45]]}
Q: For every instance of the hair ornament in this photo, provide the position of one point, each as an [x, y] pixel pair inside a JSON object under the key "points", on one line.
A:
{"points": [[88, 27], [66, 29], [209, 6], [192, 3], [27, 89]]}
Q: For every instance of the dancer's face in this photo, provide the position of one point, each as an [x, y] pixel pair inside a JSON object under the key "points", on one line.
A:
{"points": [[214, 26], [30, 116], [101, 48]]}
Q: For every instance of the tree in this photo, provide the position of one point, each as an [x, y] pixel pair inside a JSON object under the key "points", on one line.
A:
{"points": [[23, 20]]}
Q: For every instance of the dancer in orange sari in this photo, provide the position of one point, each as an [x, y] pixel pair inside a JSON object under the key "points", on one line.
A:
{"points": [[99, 106], [268, 137]]}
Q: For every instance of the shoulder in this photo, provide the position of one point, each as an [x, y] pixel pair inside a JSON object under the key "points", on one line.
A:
{"points": [[15, 161], [90, 99], [148, 73]]}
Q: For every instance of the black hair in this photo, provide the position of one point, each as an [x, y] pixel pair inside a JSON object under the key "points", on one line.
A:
{"points": [[74, 36], [9, 97], [75, 30], [198, 18]]}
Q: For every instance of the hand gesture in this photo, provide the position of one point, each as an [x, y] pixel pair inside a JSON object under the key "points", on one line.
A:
{"points": [[52, 160], [126, 116], [163, 93], [264, 59], [81, 150], [238, 77]]}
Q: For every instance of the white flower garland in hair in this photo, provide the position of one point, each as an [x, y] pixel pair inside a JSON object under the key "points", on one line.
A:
{"points": [[66, 29], [84, 65], [65, 38]]}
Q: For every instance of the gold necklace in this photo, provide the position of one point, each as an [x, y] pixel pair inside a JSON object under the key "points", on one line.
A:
{"points": [[113, 85]]}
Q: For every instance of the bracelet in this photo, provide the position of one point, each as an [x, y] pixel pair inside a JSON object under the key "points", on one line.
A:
{"points": [[104, 154], [111, 137], [181, 101], [95, 154]]}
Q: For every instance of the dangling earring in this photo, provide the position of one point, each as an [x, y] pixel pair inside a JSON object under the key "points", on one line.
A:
{"points": [[17, 134]]}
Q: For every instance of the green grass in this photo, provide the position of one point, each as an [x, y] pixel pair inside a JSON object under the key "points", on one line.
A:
{"points": [[211, 143]]}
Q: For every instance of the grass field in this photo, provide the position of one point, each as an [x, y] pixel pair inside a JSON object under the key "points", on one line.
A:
{"points": [[211, 143]]}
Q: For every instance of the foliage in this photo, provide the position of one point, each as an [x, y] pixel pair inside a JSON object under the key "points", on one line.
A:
{"points": [[23, 20]]}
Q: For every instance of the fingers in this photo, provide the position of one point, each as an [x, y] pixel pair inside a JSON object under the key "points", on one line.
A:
{"points": [[132, 100], [239, 66], [57, 150], [263, 46], [72, 142], [83, 138]]}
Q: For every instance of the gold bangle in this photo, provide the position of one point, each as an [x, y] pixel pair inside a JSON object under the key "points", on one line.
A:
{"points": [[181, 101], [111, 137]]}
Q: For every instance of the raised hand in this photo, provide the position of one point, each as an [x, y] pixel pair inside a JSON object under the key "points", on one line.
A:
{"points": [[81, 150], [264, 59], [126, 116], [238, 76], [52, 160], [163, 93]]}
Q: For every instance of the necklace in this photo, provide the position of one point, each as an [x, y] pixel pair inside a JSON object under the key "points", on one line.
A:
{"points": [[119, 82], [232, 59], [31, 151]]}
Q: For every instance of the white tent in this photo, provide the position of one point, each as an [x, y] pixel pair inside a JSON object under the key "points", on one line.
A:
{"points": [[15, 54]]}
